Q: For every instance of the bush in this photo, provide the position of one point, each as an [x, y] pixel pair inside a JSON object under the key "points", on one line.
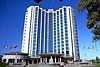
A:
{"points": [[97, 64], [65, 60], [3, 65]]}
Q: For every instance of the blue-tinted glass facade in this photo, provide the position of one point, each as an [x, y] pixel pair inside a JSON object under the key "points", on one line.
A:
{"points": [[42, 41], [66, 29], [55, 33], [35, 31], [46, 32], [60, 26], [39, 23], [62, 33], [58, 32], [50, 46]]}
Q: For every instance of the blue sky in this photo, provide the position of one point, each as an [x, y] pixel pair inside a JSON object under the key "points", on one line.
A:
{"points": [[12, 14]]}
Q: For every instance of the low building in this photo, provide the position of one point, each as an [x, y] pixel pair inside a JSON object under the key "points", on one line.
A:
{"points": [[46, 58], [23, 58], [49, 58], [15, 57]]}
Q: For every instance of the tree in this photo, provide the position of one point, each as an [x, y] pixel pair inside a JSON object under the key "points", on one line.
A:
{"points": [[93, 15], [97, 60]]}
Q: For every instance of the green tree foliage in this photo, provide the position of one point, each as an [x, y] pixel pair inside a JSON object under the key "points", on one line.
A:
{"points": [[97, 60], [97, 64], [65, 60], [3, 65], [93, 15]]}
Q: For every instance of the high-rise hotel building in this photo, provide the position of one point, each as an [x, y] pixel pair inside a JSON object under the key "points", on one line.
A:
{"points": [[50, 31]]}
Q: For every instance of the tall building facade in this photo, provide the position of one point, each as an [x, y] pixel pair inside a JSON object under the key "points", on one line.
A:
{"points": [[51, 31]]}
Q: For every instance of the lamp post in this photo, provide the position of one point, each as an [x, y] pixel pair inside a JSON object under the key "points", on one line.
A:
{"points": [[16, 58]]}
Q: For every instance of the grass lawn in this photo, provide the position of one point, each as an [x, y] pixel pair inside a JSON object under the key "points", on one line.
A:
{"points": [[3, 65], [97, 64]]}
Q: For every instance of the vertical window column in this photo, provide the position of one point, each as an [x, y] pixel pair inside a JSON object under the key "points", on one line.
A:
{"points": [[54, 34], [35, 31]]}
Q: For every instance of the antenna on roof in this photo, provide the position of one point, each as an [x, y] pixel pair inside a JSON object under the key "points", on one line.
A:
{"points": [[61, 0], [37, 1]]}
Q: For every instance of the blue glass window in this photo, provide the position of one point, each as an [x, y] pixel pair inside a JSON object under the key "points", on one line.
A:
{"points": [[62, 41], [64, 10], [58, 43], [51, 32], [42, 41], [62, 49], [39, 23]]}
